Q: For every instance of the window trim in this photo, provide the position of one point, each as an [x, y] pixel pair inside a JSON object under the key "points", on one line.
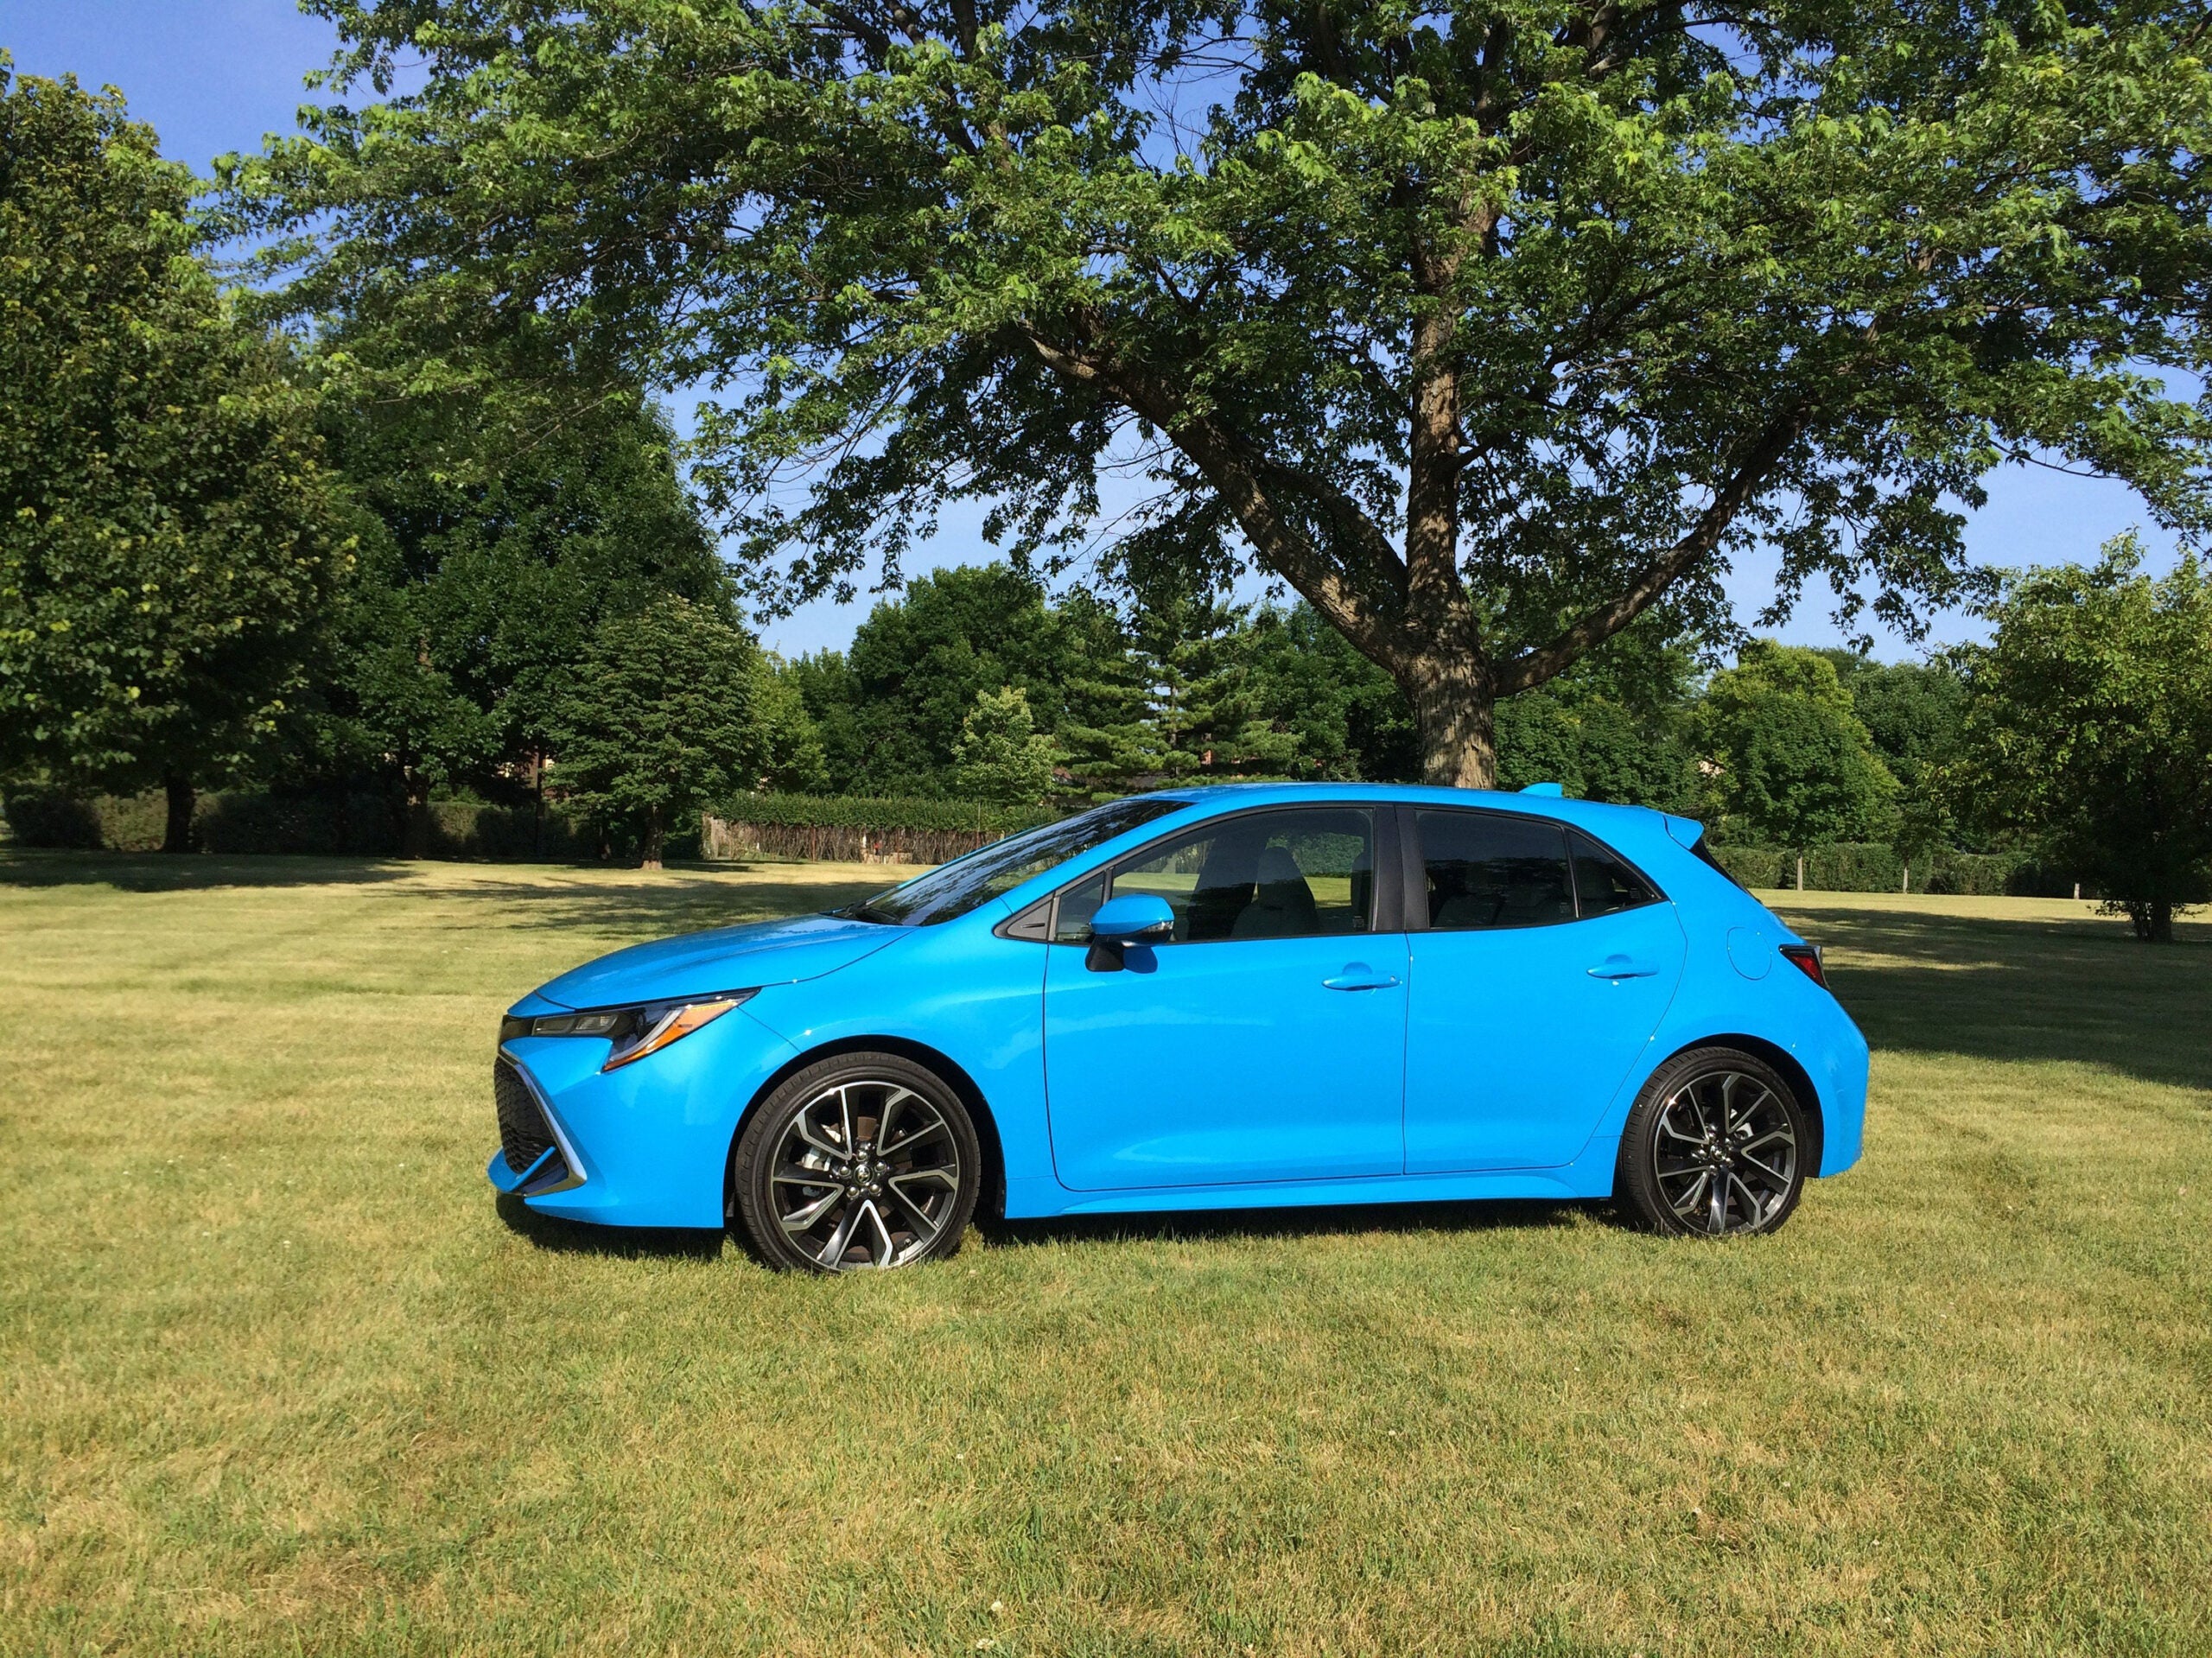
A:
{"points": [[1417, 873], [1390, 848]]}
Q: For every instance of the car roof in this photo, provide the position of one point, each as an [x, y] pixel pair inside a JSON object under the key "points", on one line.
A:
{"points": [[1601, 817]]}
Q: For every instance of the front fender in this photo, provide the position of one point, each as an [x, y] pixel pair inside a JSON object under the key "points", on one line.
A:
{"points": [[959, 991], [653, 1138]]}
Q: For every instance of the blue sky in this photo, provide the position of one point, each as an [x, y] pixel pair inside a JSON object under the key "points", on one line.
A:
{"points": [[214, 75]]}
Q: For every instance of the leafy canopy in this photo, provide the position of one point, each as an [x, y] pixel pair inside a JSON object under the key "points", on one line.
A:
{"points": [[167, 529], [478, 588], [1488, 326], [1001, 757], [2089, 722], [1793, 765], [659, 719]]}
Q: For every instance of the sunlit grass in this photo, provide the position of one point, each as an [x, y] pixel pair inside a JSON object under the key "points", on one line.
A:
{"points": [[275, 1374]]}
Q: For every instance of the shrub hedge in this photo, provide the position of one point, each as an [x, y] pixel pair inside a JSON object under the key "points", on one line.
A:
{"points": [[873, 813], [905, 829], [355, 825], [1872, 867]]}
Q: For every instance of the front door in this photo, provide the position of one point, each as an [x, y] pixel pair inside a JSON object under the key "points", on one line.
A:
{"points": [[1265, 1043], [1546, 967]]}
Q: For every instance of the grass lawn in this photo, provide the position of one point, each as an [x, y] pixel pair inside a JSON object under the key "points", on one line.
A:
{"points": [[277, 1376]]}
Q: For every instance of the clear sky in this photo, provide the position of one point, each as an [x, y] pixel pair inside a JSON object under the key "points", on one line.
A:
{"points": [[214, 75]]}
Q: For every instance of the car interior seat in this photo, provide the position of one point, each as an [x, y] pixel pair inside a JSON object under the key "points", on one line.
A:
{"points": [[1283, 905]]}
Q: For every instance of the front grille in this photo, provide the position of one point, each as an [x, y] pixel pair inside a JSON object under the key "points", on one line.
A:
{"points": [[523, 1135]]}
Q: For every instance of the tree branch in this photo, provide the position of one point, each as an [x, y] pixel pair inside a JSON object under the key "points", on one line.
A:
{"points": [[1251, 485], [1532, 668]]}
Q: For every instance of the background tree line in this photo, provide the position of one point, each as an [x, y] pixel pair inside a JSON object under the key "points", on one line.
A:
{"points": [[229, 557]]}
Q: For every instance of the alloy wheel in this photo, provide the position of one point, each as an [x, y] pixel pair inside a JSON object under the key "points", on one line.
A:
{"points": [[865, 1174], [1725, 1153]]}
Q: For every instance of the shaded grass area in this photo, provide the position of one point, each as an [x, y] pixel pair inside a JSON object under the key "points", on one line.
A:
{"points": [[277, 1373]]}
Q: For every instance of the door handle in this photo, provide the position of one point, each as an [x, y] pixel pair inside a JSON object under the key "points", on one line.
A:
{"points": [[1357, 976], [1625, 967]]}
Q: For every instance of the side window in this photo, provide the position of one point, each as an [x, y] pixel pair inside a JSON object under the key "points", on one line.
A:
{"points": [[1603, 883], [1487, 869], [1276, 874], [1072, 922]]}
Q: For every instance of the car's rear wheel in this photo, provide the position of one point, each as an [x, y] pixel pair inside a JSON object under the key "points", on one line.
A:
{"points": [[863, 1161], [1715, 1146]]}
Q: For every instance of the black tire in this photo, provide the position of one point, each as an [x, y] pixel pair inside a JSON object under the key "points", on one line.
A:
{"points": [[893, 1204], [1716, 1146]]}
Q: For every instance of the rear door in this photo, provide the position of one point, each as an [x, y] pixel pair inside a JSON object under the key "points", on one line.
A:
{"points": [[1542, 963]]}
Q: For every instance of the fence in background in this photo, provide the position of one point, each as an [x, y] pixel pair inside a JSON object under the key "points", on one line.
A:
{"points": [[858, 829]]}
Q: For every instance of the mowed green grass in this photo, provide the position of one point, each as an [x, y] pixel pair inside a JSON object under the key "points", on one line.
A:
{"points": [[277, 1376]]}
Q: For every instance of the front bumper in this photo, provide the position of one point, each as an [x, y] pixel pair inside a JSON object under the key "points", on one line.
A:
{"points": [[647, 1144]]}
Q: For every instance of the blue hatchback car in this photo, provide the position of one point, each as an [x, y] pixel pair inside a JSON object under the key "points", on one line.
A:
{"points": [[1259, 994]]}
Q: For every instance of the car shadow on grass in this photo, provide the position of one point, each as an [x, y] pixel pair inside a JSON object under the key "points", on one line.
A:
{"points": [[2027, 990], [550, 1233], [1172, 1226]]}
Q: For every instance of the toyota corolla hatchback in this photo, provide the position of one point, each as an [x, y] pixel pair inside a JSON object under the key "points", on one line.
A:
{"points": [[1261, 994]]}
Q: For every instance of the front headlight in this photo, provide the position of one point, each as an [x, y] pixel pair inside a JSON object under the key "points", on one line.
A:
{"points": [[635, 1031]]}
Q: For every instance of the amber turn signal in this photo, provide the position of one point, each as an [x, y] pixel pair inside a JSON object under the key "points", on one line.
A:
{"points": [[678, 1021]]}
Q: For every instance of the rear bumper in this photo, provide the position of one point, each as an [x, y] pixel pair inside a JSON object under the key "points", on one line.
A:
{"points": [[647, 1144]]}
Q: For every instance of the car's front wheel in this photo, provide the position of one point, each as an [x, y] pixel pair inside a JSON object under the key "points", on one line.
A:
{"points": [[864, 1159], [1715, 1146]]}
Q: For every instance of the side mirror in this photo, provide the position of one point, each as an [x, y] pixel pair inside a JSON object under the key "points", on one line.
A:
{"points": [[1139, 918], [1136, 919]]}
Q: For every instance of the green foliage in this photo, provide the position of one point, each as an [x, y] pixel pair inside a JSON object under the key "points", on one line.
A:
{"points": [[918, 664], [1350, 720], [1207, 711], [480, 585], [659, 720], [1196, 688], [1001, 757], [922, 814], [1485, 331], [1915, 713], [2089, 722], [167, 526], [1612, 727], [892, 710], [321, 824], [1793, 764], [792, 757]]}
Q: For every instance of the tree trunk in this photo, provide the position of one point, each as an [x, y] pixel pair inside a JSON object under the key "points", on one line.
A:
{"points": [[176, 834], [656, 836], [2162, 921], [1456, 718], [415, 828], [1801, 872]]}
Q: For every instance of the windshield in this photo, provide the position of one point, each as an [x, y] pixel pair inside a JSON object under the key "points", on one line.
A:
{"points": [[955, 888]]}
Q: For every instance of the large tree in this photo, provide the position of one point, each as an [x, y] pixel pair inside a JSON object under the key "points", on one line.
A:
{"points": [[489, 553], [893, 709], [658, 721], [167, 530], [2089, 726], [1791, 764], [1487, 327]]}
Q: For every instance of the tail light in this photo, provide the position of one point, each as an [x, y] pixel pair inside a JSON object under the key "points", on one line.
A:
{"points": [[1808, 960]]}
